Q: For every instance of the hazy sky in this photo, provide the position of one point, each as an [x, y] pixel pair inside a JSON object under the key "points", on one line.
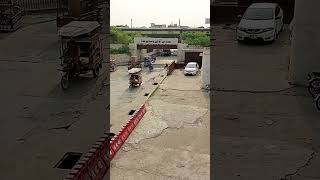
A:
{"points": [[144, 12]]}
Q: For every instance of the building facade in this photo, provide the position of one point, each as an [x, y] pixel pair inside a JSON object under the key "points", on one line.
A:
{"points": [[153, 25]]}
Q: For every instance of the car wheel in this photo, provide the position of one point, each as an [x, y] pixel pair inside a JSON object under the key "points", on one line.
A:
{"points": [[65, 82], [96, 71], [275, 36], [281, 28]]}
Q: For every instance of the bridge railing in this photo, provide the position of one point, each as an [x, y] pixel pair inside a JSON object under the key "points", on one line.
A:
{"points": [[37, 5]]}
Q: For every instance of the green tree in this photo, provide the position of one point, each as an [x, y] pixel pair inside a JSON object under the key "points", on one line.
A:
{"points": [[117, 36], [195, 38]]}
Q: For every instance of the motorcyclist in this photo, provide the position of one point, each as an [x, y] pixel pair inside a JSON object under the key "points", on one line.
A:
{"points": [[150, 66]]}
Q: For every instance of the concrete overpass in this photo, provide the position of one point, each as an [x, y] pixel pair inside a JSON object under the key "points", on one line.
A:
{"points": [[164, 32]]}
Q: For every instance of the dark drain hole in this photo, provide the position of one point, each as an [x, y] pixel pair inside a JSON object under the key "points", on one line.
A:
{"points": [[131, 112], [69, 160], [146, 94], [155, 83]]}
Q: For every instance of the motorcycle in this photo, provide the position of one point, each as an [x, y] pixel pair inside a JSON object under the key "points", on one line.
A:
{"points": [[150, 67], [314, 87]]}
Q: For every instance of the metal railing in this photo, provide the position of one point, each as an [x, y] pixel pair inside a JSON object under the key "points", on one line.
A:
{"points": [[37, 5]]}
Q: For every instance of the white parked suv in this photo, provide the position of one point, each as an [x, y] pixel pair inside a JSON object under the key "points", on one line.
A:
{"points": [[191, 68], [261, 21]]}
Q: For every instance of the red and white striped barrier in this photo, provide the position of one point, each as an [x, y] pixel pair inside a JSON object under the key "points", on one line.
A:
{"points": [[95, 164], [118, 140]]}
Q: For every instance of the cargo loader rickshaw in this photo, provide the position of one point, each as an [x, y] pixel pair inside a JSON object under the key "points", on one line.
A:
{"points": [[135, 77], [81, 50]]}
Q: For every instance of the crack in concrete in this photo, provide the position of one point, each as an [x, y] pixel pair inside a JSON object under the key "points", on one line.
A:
{"points": [[252, 91], [172, 89], [306, 164], [66, 127]]}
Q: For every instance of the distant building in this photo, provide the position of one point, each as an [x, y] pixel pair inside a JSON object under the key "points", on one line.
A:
{"points": [[153, 25], [173, 26], [184, 27], [121, 26]]}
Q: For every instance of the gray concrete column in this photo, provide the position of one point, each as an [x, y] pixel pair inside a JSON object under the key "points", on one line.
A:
{"points": [[305, 55], [133, 49], [205, 70], [181, 53]]}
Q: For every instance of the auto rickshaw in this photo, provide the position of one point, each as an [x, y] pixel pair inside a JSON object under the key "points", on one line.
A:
{"points": [[134, 63], [135, 77], [81, 50]]}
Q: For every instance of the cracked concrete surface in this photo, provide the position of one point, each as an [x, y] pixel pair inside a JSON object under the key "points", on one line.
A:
{"points": [[260, 134], [39, 121], [172, 139]]}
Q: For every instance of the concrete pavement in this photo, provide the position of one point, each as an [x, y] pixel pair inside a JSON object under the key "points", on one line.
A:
{"points": [[260, 132], [40, 122], [172, 139]]}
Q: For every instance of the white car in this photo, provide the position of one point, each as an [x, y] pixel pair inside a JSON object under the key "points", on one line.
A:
{"points": [[261, 21], [191, 68]]}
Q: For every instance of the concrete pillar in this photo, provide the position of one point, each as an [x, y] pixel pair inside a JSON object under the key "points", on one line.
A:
{"points": [[205, 70], [139, 54], [133, 49], [142, 54], [181, 53], [305, 55], [105, 28]]}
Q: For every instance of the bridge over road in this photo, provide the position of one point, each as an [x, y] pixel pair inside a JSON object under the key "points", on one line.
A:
{"points": [[164, 32]]}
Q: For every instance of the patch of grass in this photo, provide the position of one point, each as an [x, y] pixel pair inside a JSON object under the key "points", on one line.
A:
{"points": [[155, 91], [122, 50]]}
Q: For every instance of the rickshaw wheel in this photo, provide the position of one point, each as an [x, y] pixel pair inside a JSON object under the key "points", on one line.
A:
{"points": [[314, 87], [95, 71], [311, 91], [64, 82], [318, 102]]}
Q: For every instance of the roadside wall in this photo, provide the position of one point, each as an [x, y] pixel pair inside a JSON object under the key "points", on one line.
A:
{"points": [[120, 59], [116, 46]]}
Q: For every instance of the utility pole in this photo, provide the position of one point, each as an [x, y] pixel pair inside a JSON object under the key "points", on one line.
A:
{"points": [[131, 23]]}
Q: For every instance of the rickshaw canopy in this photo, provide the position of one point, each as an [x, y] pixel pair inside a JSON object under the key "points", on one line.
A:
{"points": [[78, 28], [134, 70]]}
